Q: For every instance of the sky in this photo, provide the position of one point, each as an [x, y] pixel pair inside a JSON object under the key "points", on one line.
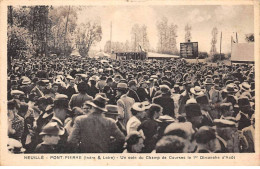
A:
{"points": [[228, 20]]}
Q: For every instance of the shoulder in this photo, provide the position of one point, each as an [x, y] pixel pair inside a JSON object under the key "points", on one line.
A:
{"points": [[81, 118], [110, 120], [73, 96]]}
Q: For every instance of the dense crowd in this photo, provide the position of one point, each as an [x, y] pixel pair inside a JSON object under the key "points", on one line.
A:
{"points": [[97, 105]]}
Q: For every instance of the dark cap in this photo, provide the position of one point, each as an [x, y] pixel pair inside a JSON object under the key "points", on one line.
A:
{"points": [[202, 99], [131, 83], [41, 100], [243, 101], [192, 110]]}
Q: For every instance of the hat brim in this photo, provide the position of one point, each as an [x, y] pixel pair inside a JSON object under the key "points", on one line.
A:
{"points": [[112, 113], [61, 132], [242, 87], [100, 108], [192, 90]]}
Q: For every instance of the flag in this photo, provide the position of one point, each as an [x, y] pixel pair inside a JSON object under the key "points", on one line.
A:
{"points": [[141, 48], [232, 40]]}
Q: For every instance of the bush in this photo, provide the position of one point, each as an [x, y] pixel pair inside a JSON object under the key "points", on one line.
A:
{"points": [[218, 57]]}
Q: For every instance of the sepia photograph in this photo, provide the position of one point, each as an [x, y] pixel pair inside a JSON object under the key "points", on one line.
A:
{"points": [[140, 78]]}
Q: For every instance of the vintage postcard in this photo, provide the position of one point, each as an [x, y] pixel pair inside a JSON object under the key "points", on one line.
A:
{"points": [[129, 82]]}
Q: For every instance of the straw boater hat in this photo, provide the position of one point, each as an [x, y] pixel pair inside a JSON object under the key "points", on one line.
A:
{"points": [[230, 88], [139, 107], [245, 86], [196, 91]]}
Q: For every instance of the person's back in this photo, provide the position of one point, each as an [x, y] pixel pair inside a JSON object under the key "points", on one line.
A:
{"points": [[94, 132], [78, 99]]}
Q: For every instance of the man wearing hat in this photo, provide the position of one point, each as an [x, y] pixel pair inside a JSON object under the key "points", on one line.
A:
{"points": [[214, 93], [165, 101], [16, 94], [244, 90], [208, 86], [71, 87], [124, 103], [185, 95], [227, 135], [60, 113], [132, 85], [195, 116], [78, 99], [207, 141], [206, 108], [50, 135], [45, 106], [142, 91], [39, 89], [152, 89], [245, 113], [112, 112], [93, 133]]}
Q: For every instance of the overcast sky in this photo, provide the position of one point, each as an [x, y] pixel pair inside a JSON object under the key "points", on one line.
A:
{"points": [[202, 19]]}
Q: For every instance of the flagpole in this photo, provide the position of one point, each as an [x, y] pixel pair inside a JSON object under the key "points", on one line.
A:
{"points": [[236, 37], [220, 43], [111, 37]]}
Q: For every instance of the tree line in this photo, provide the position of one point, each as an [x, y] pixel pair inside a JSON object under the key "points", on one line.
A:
{"points": [[43, 30]]}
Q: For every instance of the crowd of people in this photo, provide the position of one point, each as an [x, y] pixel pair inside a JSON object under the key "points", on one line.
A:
{"points": [[95, 105]]}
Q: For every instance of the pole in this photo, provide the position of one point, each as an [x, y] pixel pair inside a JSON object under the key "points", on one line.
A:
{"points": [[111, 37], [236, 38], [220, 42], [135, 42]]}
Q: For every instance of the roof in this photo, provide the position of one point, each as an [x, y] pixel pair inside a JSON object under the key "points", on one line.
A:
{"points": [[159, 55], [75, 53]]}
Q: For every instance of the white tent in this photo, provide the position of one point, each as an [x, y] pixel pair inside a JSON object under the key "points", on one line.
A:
{"points": [[75, 53], [102, 54], [159, 55]]}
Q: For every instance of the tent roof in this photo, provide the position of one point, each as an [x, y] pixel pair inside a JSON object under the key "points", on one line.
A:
{"points": [[102, 54], [75, 53], [159, 55]]}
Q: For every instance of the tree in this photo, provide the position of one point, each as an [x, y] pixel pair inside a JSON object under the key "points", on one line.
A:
{"points": [[214, 40], [172, 48], [88, 34], [63, 25], [167, 37], [135, 37], [18, 42], [187, 33], [250, 37], [162, 27], [144, 38]]}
